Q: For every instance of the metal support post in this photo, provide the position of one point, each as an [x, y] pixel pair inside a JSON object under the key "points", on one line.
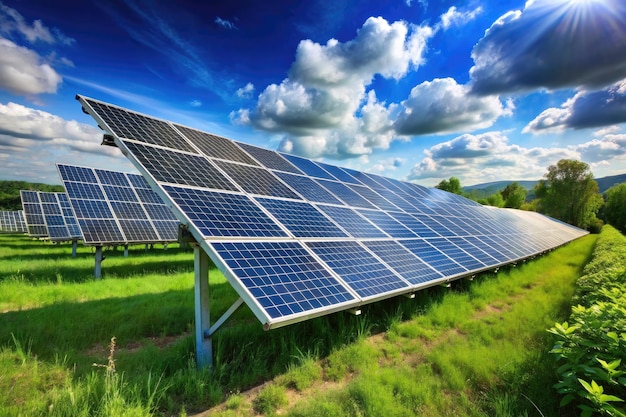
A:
{"points": [[74, 245], [99, 258], [125, 251], [204, 343]]}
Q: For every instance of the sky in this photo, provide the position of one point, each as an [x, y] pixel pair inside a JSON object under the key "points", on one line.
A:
{"points": [[418, 90]]}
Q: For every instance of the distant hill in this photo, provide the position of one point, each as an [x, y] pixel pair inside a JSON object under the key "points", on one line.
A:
{"points": [[488, 188], [10, 192]]}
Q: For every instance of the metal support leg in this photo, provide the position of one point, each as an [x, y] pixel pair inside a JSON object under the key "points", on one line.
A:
{"points": [[99, 257], [74, 246], [125, 251], [204, 344]]}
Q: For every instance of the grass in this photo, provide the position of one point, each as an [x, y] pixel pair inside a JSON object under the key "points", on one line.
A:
{"points": [[479, 348]]}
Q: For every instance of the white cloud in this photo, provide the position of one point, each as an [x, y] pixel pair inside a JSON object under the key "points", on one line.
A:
{"points": [[586, 109], [323, 108], [195, 103], [246, 91], [12, 21], [227, 24], [486, 157], [453, 17], [24, 72], [552, 44], [443, 106]]}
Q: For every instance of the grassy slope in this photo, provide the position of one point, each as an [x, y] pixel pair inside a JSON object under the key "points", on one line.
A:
{"points": [[470, 350]]}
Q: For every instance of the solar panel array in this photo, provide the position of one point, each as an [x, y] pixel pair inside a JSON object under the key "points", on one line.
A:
{"points": [[49, 215], [116, 208], [298, 238], [12, 221]]}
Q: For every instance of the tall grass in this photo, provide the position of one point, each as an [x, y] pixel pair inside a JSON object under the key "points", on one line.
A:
{"points": [[447, 352]]}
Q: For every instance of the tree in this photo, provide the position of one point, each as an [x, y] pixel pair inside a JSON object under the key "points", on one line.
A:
{"points": [[615, 206], [569, 193], [452, 186], [514, 195], [495, 200]]}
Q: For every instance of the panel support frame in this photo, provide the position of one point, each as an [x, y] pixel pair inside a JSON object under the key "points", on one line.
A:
{"points": [[99, 258]]}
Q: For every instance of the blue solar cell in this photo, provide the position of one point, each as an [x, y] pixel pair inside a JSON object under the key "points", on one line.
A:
{"points": [[283, 277], [84, 191], [478, 253], [216, 146], [100, 231], [138, 230], [308, 167], [387, 223], [124, 210], [358, 268], [112, 178], [120, 193], [433, 257], [270, 159], [93, 209], [159, 212], [176, 167], [339, 173], [138, 182], [78, 174], [496, 249], [223, 214], [256, 180], [374, 198], [459, 255], [345, 194], [409, 266], [308, 188], [29, 196], [353, 223], [434, 223], [414, 223], [167, 230], [301, 219]]}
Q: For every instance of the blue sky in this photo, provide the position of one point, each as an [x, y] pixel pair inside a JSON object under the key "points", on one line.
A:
{"points": [[419, 90]]}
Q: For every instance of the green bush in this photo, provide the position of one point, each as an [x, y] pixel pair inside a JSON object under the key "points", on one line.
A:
{"points": [[591, 347]]}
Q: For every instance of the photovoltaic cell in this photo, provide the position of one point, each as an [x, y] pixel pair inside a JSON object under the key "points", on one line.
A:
{"points": [[433, 257], [358, 268], [179, 168], [308, 167], [409, 266], [257, 180], [414, 224], [301, 219], [308, 188], [374, 198], [460, 256], [339, 173], [131, 125], [345, 194], [223, 214], [215, 146], [270, 159], [387, 223], [353, 223], [283, 277]]}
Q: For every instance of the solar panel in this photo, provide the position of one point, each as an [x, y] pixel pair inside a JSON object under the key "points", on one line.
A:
{"points": [[33, 214], [12, 221], [113, 207], [298, 238]]}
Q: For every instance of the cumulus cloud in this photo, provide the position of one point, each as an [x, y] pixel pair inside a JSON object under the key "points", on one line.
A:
{"points": [[246, 91], [584, 110], [599, 150], [24, 72], [486, 157], [23, 127], [552, 44], [323, 108], [443, 106], [454, 17]]}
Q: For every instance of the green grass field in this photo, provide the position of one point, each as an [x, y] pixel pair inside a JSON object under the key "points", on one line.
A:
{"points": [[476, 349]]}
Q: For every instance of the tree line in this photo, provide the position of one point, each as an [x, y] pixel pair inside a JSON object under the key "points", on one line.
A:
{"points": [[568, 192], [10, 199]]}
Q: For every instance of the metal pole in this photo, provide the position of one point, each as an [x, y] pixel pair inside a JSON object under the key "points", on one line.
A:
{"points": [[74, 245], [98, 271], [204, 344]]}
